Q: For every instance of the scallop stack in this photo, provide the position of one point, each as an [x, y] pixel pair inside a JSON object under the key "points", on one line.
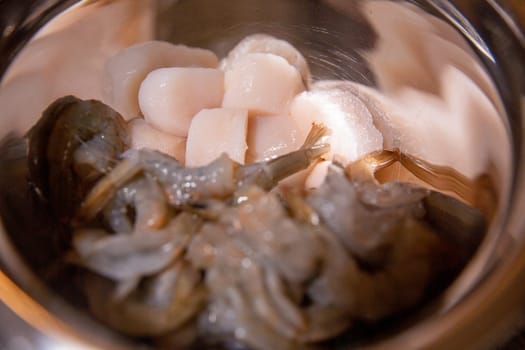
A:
{"points": [[255, 104]]}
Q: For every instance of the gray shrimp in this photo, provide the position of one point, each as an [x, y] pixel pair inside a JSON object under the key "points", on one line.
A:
{"points": [[261, 263], [220, 179], [142, 197], [392, 229], [258, 261], [462, 221], [132, 255], [160, 304], [142, 284], [352, 211]]}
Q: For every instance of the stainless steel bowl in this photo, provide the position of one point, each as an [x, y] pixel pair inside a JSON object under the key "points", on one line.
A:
{"points": [[342, 39]]}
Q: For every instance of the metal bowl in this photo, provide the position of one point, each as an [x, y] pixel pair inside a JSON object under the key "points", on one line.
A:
{"points": [[385, 45]]}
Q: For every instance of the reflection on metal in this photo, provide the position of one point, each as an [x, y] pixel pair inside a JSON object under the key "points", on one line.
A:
{"points": [[447, 9], [36, 315], [508, 20]]}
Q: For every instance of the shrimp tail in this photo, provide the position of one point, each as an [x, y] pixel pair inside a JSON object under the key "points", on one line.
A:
{"points": [[267, 174], [317, 132]]}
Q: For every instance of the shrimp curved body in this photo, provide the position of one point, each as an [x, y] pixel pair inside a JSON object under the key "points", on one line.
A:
{"points": [[184, 186]]}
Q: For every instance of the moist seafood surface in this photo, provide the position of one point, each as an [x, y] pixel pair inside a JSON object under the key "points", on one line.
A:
{"points": [[236, 202]]}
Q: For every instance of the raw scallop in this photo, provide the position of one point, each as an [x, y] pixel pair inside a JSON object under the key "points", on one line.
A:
{"points": [[170, 97], [143, 135], [318, 175], [216, 131], [353, 133], [271, 136], [264, 43], [127, 69], [361, 92], [262, 83]]}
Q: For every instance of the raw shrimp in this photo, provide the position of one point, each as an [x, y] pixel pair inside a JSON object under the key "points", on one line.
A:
{"points": [[131, 255], [264, 264], [220, 179], [345, 207], [145, 197], [148, 288], [390, 236], [162, 303], [71, 147], [349, 215], [251, 256]]}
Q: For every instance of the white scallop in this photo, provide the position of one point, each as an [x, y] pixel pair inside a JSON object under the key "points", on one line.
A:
{"points": [[264, 84], [170, 97], [353, 133], [143, 135], [216, 131], [317, 176], [365, 94], [128, 68], [264, 43], [271, 136]]}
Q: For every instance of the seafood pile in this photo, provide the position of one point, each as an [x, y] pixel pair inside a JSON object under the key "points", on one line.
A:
{"points": [[184, 243]]}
